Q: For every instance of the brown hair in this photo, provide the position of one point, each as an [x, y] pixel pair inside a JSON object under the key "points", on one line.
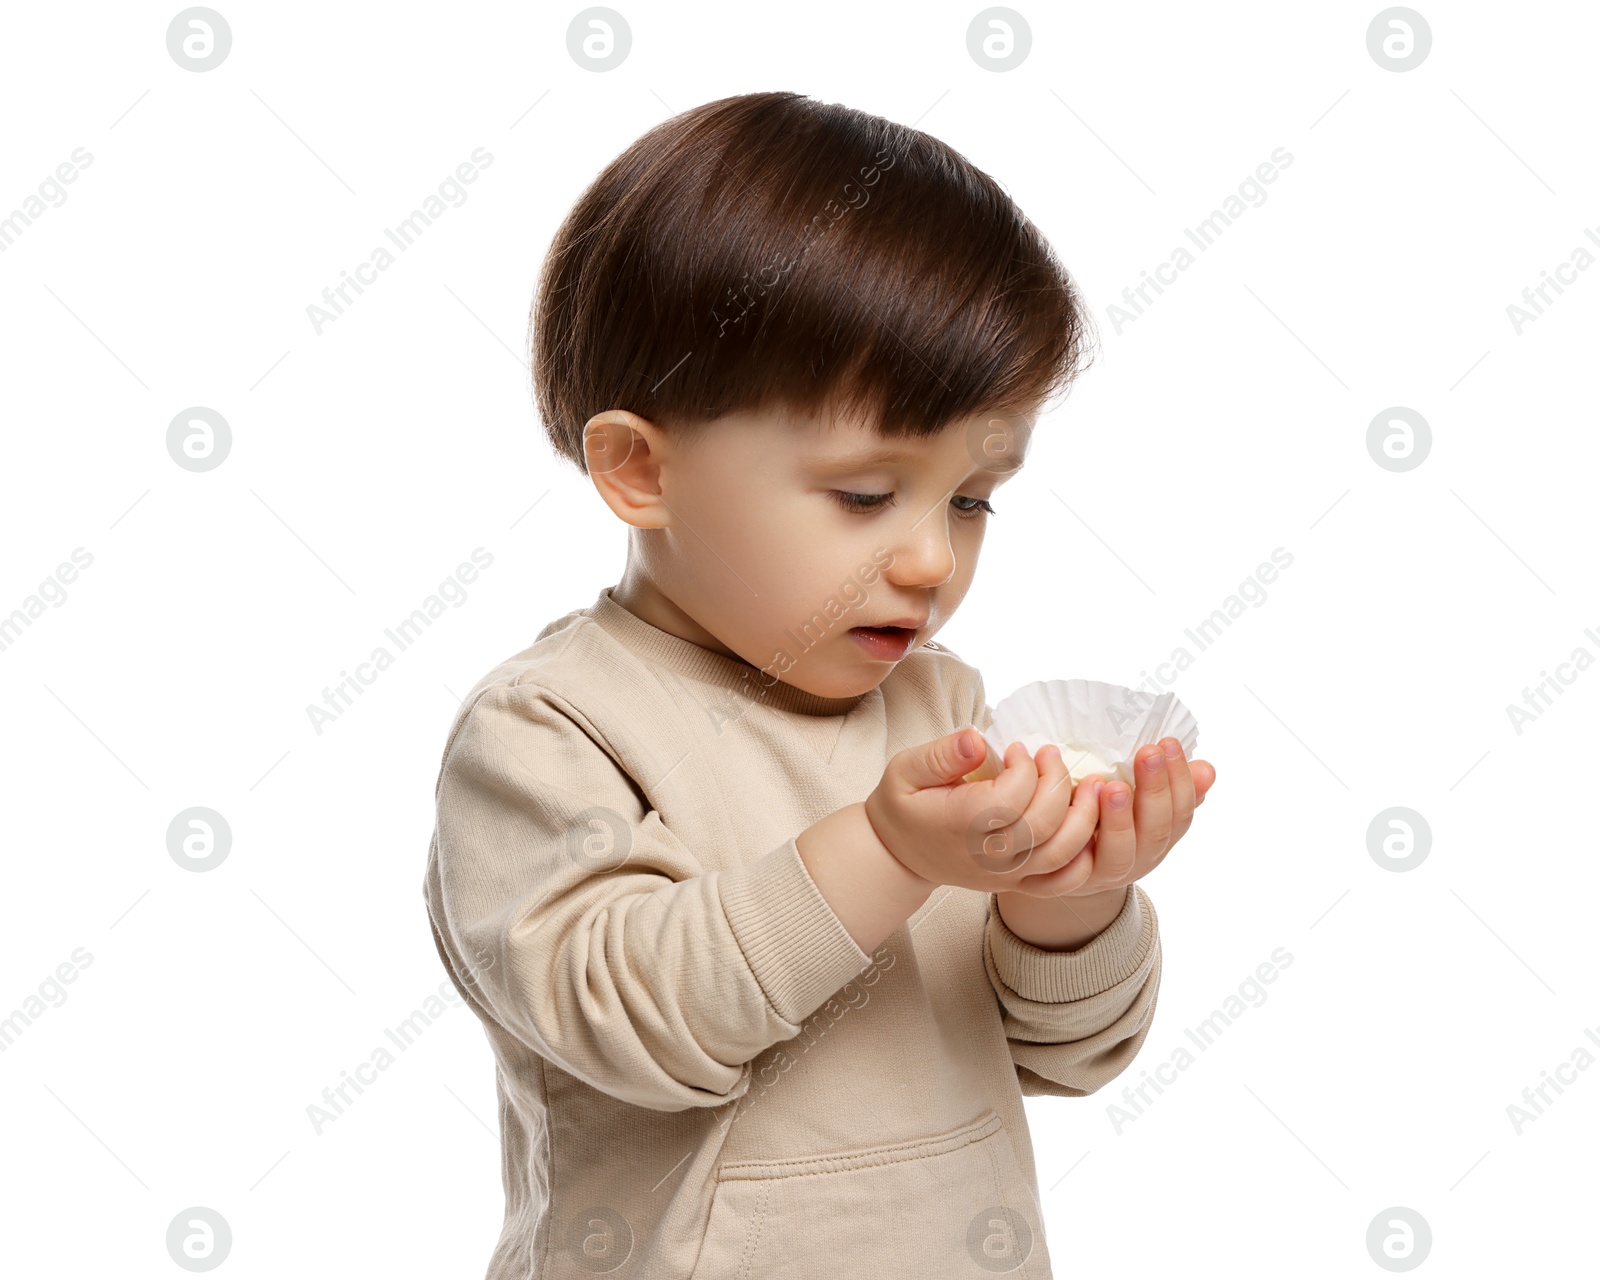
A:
{"points": [[770, 251]]}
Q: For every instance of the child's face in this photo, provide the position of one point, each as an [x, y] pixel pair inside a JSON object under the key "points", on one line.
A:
{"points": [[741, 543]]}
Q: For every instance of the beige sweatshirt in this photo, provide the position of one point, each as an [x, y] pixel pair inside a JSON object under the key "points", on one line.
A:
{"points": [[700, 1074]]}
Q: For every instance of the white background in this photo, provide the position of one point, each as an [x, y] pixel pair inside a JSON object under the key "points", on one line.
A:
{"points": [[367, 462]]}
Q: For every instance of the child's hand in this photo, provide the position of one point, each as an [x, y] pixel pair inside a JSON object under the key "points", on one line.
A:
{"points": [[987, 835], [1131, 839]]}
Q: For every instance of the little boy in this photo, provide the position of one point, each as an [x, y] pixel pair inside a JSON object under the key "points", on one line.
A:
{"points": [[765, 976]]}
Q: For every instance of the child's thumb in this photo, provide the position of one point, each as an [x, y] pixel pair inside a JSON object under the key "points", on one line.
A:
{"points": [[951, 758]]}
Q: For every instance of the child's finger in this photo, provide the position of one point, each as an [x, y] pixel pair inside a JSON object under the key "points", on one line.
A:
{"points": [[1065, 861], [1116, 841], [1073, 835], [1019, 778], [1088, 794], [1062, 881], [1153, 811], [1181, 781], [998, 812], [1052, 796], [989, 769]]}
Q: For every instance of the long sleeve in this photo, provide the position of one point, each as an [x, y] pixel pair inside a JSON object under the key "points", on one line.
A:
{"points": [[572, 919], [1074, 1019]]}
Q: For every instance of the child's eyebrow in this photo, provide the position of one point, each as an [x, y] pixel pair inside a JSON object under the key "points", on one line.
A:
{"points": [[888, 454], [866, 458]]}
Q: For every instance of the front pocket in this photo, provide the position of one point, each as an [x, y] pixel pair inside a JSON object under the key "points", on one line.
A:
{"points": [[953, 1205]]}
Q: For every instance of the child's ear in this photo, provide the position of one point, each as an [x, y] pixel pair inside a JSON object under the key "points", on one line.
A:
{"points": [[623, 454]]}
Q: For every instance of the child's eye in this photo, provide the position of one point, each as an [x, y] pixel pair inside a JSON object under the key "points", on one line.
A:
{"points": [[866, 502], [863, 501]]}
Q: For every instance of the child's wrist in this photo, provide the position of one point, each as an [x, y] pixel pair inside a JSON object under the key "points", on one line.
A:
{"points": [[899, 866], [871, 891], [910, 878]]}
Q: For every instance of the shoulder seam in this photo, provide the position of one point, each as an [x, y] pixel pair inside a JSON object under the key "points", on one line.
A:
{"points": [[513, 687], [581, 620]]}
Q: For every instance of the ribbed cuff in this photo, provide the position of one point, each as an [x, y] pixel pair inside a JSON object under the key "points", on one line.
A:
{"points": [[798, 949], [1057, 977]]}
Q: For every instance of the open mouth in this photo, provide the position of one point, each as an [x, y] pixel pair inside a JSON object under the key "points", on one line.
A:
{"points": [[887, 644]]}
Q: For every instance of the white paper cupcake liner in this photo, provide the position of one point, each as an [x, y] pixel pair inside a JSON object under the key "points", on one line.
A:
{"points": [[1098, 726]]}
